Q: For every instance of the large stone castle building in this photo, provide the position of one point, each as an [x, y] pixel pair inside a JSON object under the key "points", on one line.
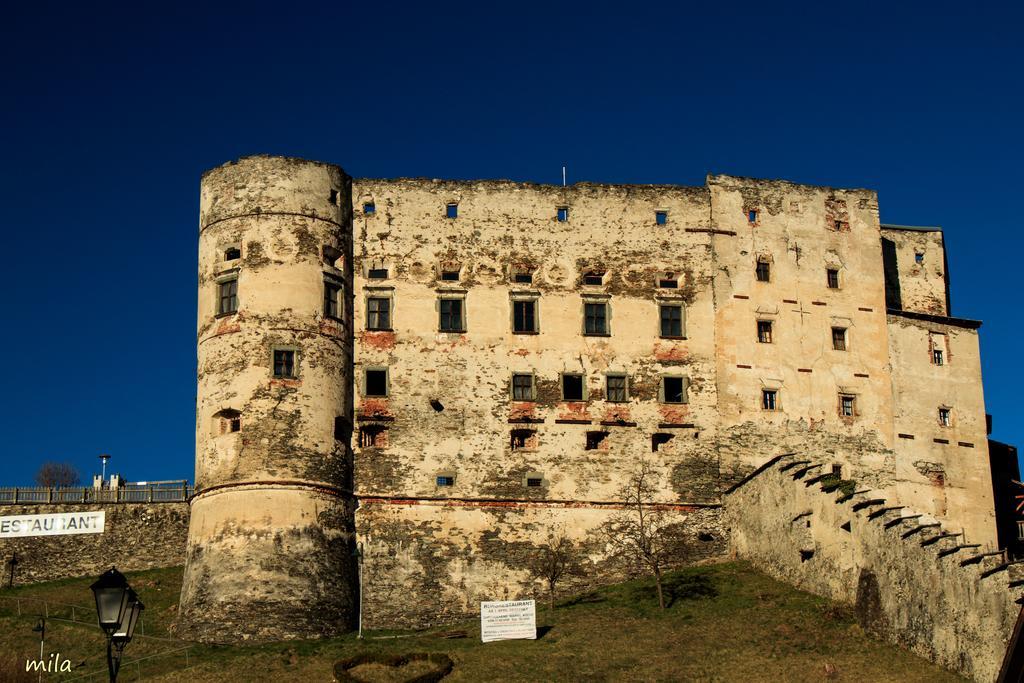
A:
{"points": [[438, 375]]}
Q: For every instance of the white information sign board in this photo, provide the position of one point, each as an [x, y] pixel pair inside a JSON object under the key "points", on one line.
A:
{"points": [[508, 619], [53, 524]]}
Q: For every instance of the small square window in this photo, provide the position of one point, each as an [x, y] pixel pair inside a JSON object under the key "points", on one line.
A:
{"points": [[832, 278], [376, 383], [616, 390], [445, 480], [594, 440], [378, 274], [450, 275], [764, 331], [452, 210], [658, 440], [752, 216], [594, 277], [227, 297], [945, 417], [284, 364], [763, 271], [523, 277], [524, 316], [847, 405], [520, 439], [769, 399], [673, 389], [372, 436], [595, 318], [333, 197], [668, 282], [918, 257], [660, 217], [369, 207], [534, 481], [332, 300], [232, 253], [937, 357], [572, 387], [839, 338], [378, 313], [671, 320], [522, 387], [563, 214], [451, 315], [838, 225]]}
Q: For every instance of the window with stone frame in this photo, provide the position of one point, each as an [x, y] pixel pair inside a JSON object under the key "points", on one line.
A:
{"points": [[764, 331], [763, 270], [572, 387], [284, 364], [847, 405], [769, 399], [673, 389], [378, 313], [671, 320], [616, 388], [832, 278], [376, 382], [227, 296], [839, 338], [524, 316], [451, 318], [333, 300], [522, 387], [945, 417], [595, 318]]}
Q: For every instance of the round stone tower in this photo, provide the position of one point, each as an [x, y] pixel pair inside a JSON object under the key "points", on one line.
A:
{"points": [[269, 553]]}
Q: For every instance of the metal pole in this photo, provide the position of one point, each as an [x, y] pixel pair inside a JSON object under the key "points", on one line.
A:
{"points": [[359, 566]]}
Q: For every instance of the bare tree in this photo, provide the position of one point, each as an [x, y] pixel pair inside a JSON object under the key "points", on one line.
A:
{"points": [[54, 474], [552, 561], [642, 534]]}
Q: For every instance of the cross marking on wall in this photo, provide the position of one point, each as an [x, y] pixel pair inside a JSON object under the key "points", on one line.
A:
{"points": [[802, 312]]}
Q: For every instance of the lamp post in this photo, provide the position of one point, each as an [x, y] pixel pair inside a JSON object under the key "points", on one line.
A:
{"points": [[104, 457], [40, 628], [118, 609]]}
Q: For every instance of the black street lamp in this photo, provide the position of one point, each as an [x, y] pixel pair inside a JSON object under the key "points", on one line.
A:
{"points": [[118, 609]]}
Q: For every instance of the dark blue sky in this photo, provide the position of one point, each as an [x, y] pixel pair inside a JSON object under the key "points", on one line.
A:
{"points": [[109, 115]]}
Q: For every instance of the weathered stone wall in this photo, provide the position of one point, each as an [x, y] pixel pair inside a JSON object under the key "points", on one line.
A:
{"points": [[427, 563], [915, 262], [941, 469], [136, 536], [909, 582], [269, 550]]}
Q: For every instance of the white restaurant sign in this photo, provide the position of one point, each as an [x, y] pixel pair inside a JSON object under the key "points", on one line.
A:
{"points": [[53, 524], [508, 619]]}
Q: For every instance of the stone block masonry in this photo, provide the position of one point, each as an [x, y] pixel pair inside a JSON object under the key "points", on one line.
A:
{"points": [[136, 536]]}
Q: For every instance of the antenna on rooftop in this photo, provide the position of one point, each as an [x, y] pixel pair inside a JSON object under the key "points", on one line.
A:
{"points": [[563, 176]]}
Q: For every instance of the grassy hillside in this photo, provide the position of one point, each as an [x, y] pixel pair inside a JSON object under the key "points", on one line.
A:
{"points": [[724, 623]]}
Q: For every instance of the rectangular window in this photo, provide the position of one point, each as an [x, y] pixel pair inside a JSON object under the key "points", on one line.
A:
{"points": [[594, 440], [572, 387], [660, 217], [671, 320], [832, 277], [918, 257], [452, 210], [847, 405], [378, 313], [227, 293], [284, 363], [751, 216], [595, 318], [563, 214], [522, 438], [369, 207], [764, 331], [839, 338], [593, 278], [668, 283], [937, 356], [445, 480], [522, 387], [616, 388], [376, 383], [332, 300], [523, 277], [377, 274], [769, 399], [673, 389], [372, 436], [534, 481], [944, 417], [451, 315], [524, 316], [1020, 531], [763, 271], [450, 275]]}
